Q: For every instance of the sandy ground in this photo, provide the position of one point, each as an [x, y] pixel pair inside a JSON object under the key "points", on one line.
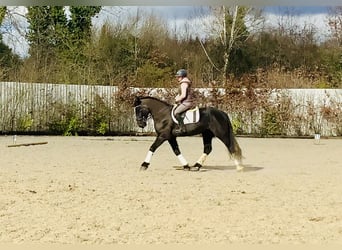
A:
{"points": [[89, 190]]}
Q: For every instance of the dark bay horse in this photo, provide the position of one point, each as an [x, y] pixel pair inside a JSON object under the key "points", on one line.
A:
{"points": [[212, 123]]}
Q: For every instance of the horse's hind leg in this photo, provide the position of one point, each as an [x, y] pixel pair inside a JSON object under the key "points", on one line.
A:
{"points": [[207, 137], [174, 145]]}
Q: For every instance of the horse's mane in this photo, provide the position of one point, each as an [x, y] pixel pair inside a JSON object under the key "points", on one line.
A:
{"points": [[154, 98]]}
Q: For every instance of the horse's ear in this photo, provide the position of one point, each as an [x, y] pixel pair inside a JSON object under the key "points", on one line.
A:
{"points": [[137, 101]]}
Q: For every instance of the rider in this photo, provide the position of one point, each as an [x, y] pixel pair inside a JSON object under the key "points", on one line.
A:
{"points": [[184, 100]]}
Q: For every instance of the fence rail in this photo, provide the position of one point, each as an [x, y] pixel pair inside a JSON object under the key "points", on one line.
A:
{"points": [[31, 106], [38, 107]]}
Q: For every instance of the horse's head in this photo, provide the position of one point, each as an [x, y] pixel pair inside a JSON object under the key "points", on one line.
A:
{"points": [[142, 112]]}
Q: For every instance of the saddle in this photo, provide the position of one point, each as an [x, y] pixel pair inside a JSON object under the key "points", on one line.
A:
{"points": [[189, 116]]}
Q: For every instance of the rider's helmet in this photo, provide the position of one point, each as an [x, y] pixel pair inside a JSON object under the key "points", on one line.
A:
{"points": [[182, 73]]}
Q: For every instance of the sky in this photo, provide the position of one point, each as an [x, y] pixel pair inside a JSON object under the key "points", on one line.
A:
{"points": [[173, 15], [181, 12]]}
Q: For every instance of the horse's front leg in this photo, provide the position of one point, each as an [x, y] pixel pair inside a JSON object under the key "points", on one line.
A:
{"points": [[174, 145], [157, 142]]}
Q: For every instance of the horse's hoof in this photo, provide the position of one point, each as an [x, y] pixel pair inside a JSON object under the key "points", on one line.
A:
{"points": [[186, 168], [196, 167], [239, 168], [144, 166]]}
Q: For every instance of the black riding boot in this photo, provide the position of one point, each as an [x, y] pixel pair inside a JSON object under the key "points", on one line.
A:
{"points": [[181, 129]]}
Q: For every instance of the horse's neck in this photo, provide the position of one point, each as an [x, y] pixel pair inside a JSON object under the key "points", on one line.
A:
{"points": [[158, 107]]}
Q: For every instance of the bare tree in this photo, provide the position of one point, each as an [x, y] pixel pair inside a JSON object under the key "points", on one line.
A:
{"points": [[14, 27], [335, 23], [231, 26]]}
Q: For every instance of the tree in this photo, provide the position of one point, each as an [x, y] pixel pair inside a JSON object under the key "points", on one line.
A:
{"points": [[8, 61], [152, 63], [113, 54], [80, 23], [333, 58], [230, 30], [335, 23], [47, 28], [58, 43], [2, 13]]}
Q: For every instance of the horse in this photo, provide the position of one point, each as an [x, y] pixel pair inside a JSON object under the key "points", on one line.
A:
{"points": [[212, 123]]}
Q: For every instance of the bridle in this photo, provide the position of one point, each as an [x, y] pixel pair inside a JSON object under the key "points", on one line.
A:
{"points": [[142, 117]]}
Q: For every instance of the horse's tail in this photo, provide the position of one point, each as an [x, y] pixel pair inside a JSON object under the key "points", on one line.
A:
{"points": [[233, 147], [223, 129], [226, 133], [237, 152]]}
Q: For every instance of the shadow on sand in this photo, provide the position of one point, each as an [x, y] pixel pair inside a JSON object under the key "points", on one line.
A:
{"points": [[247, 168]]}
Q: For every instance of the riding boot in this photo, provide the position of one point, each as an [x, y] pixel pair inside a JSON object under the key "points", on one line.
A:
{"points": [[181, 129]]}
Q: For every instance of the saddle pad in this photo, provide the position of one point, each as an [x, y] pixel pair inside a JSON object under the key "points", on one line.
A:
{"points": [[191, 115]]}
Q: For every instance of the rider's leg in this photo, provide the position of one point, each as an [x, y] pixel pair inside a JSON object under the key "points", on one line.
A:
{"points": [[181, 125], [178, 115]]}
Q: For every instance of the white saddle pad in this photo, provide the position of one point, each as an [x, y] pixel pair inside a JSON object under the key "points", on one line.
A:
{"points": [[191, 115]]}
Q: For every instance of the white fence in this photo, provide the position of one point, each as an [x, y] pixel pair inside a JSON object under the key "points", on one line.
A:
{"points": [[35, 103], [31, 107]]}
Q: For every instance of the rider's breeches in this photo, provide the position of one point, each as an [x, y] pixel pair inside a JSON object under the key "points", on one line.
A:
{"points": [[180, 109]]}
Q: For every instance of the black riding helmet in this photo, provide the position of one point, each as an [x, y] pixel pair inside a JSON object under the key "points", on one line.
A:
{"points": [[182, 73]]}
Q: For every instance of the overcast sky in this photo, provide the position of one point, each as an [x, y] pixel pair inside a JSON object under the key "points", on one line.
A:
{"points": [[172, 12], [174, 15], [177, 15]]}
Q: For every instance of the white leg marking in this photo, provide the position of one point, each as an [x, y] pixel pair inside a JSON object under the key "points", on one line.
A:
{"points": [[148, 157], [182, 160], [238, 164], [202, 159]]}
